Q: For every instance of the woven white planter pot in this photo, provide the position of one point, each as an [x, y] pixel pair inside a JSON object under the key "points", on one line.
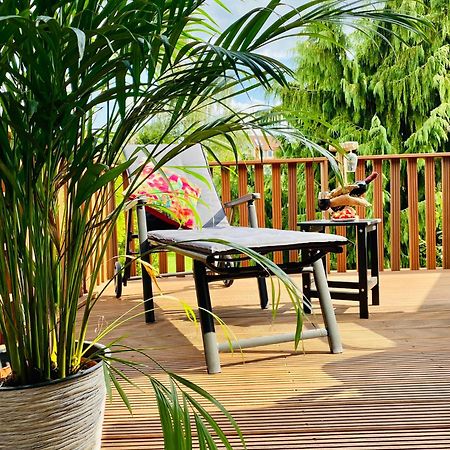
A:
{"points": [[63, 414]]}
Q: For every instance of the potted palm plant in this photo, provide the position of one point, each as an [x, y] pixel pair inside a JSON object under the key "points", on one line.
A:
{"points": [[77, 79]]}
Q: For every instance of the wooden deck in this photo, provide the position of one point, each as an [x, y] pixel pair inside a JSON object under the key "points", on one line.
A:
{"points": [[389, 389]]}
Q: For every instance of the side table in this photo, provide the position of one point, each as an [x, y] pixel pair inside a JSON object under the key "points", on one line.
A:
{"points": [[367, 258]]}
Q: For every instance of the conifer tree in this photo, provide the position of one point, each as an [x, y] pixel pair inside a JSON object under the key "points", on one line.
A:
{"points": [[391, 92]]}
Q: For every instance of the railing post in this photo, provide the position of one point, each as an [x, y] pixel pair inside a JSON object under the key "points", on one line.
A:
{"points": [[243, 190], [324, 186], [395, 215], [226, 187], [445, 212], [430, 212], [276, 204], [259, 187], [378, 208], [293, 203], [413, 214], [360, 175], [310, 192]]}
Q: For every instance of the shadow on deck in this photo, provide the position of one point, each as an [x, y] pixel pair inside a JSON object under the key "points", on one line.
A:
{"points": [[389, 389]]}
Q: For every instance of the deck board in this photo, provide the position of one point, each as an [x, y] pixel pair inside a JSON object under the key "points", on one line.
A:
{"points": [[389, 389]]}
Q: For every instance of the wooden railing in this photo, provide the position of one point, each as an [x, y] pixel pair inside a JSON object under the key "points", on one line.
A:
{"points": [[404, 240], [430, 203], [412, 197]]}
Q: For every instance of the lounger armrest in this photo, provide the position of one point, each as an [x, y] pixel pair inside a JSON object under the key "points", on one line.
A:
{"points": [[247, 198], [133, 203]]}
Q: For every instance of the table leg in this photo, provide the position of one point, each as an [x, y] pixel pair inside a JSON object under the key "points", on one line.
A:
{"points": [[374, 266], [306, 281], [362, 273]]}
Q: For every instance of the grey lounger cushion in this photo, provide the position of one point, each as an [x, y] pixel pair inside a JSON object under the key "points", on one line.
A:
{"points": [[262, 240]]}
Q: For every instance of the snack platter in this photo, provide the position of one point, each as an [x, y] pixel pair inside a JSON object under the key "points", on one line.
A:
{"points": [[346, 214], [345, 219]]}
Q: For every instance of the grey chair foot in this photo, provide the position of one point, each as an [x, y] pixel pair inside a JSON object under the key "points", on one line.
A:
{"points": [[334, 337], [211, 352]]}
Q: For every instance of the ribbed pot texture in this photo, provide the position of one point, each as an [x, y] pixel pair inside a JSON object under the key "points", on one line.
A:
{"points": [[65, 414]]}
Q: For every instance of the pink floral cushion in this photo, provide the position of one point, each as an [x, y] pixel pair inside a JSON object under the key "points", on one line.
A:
{"points": [[171, 197]]}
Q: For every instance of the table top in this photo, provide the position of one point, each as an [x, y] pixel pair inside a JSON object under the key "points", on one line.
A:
{"points": [[339, 223]]}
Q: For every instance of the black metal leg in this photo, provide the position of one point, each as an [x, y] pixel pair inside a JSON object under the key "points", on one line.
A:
{"points": [[362, 273], [374, 266], [206, 319], [128, 250], [147, 287], [263, 296], [306, 283]]}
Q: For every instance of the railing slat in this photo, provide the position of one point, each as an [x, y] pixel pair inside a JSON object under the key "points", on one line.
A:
{"points": [[325, 186], [378, 208], [126, 183], [310, 193], [342, 257], [163, 262], [276, 204], [292, 196], [430, 212], [360, 175], [113, 244], [103, 267], [324, 176], [395, 215], [446, 212], [226, 188], [243, 190], [292, 203], [259, 187], [413, 214], [180, 263]]}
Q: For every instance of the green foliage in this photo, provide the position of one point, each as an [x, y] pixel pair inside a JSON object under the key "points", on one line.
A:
{"points": [[63, 67], [68, 67], [155, 132], [391, 93]]}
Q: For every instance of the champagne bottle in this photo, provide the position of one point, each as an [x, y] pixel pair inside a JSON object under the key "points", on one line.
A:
{"points": [[362, 185]]}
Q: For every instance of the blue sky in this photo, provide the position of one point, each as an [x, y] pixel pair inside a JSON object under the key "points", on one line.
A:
{"points": [[282, 51]]}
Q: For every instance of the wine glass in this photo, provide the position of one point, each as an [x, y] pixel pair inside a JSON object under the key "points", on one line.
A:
{"points": [[324, 200]]}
